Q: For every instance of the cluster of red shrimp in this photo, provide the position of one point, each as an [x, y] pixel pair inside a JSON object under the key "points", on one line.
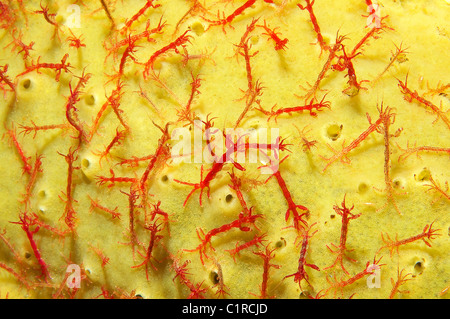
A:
{"points": [[137, 48]]}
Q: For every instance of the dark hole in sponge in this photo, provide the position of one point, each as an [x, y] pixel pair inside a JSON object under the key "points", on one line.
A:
{"points": [[362, 188], [334, 131], [281, 243], [89, 99], [214, 276], [26, 83], [418, 266]]}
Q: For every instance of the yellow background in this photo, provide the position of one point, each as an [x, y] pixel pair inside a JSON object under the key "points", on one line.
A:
{"points": [[419, 25]]}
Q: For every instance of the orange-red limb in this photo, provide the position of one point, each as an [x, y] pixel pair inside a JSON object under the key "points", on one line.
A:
{"points": [[26, 223], [345, 150], [227, 20], [49, 17], [216, 168], [117, 140], [69, 212], [20, 278], [301, 273], [280, 44], [113, 212], [17, 43], [154, 238], [311, 107], [180, 41], [410, 95], [401, 279], [32, 181], [426, 236], [256, 241], [320, 39], [71, 115], [115, 179], [346, 214], [25, 159], [368, 270], [182, 273], [58, 67], [292, 207], [25, 130], [74, 41], [266, 256], [240, 223], [147, 5]]}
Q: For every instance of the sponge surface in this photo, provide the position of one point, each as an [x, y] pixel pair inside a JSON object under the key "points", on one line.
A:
{"points": [[105, 108]]}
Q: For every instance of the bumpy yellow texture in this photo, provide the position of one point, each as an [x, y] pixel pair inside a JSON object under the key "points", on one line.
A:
{"points": [[421, 26]]}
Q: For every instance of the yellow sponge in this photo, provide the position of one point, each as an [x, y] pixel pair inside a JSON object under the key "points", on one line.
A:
{"points": [[224, 149]]}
